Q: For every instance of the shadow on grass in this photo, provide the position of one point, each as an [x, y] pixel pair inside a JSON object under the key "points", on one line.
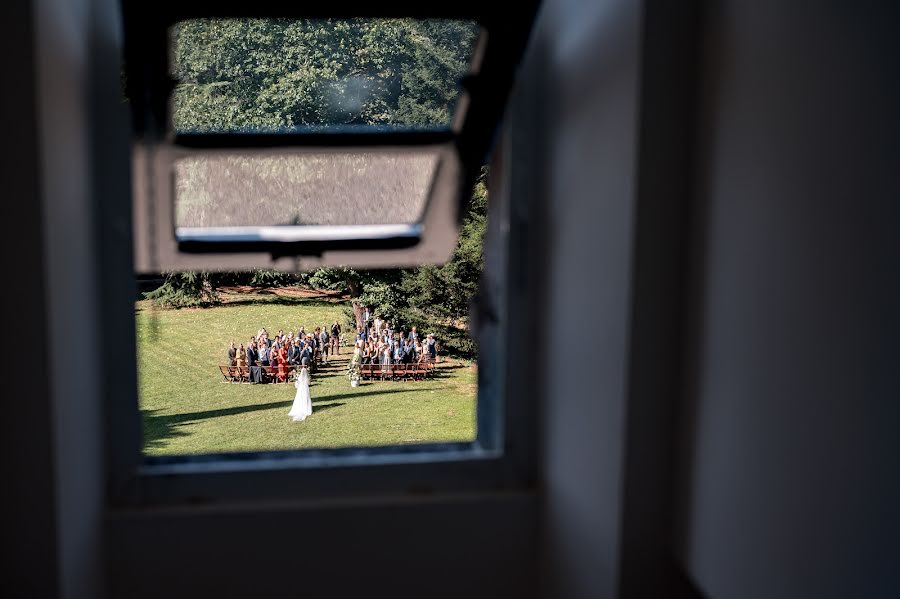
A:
{"points": [[158, 428], [278, 300]]}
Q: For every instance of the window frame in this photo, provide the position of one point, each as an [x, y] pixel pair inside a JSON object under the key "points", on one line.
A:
{"points": [[466, 143], [501, 458]]}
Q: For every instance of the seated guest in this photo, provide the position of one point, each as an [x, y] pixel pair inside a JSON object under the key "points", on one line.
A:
{"points": [[232, 354]]}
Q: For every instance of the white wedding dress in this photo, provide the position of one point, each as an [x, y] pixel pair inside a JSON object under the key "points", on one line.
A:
{"points": [[302, 402]]}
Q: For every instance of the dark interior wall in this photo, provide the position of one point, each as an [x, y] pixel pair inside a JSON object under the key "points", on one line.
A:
{"points": [[475, 547], [65, 33], [788, 480], [576, 122], [791, 453], [28, 557]]}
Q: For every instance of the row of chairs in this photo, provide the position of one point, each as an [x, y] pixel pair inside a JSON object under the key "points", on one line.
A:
{"points": [[241, 374], [397, 372]]}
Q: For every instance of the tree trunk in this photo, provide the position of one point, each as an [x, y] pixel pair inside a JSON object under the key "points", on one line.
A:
{"points": [[358, 310]]}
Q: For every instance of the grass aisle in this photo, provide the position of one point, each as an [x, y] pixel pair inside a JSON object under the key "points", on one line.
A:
{"points": [[187, 410]]}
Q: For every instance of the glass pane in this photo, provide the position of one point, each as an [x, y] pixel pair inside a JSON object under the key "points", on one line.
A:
{"points": [[370, 188], [271, 75], [413, 380]]}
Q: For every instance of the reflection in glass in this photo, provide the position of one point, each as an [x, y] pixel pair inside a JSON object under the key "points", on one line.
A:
{"points": [[302, 189]]}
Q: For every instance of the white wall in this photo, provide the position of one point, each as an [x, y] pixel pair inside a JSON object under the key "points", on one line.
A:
{"points": [[791, 477]]}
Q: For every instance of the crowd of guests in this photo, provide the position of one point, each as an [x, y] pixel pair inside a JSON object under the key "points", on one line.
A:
{"points": [[376, 342], [285, 352]]}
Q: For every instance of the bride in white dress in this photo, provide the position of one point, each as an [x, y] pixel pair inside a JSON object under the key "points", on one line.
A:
{"points": [[302, 403]]}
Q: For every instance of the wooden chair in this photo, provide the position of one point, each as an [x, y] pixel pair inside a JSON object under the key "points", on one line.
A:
{"points": [[226, 373]]}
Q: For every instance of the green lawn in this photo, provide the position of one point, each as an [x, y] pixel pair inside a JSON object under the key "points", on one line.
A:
{"points": [[186, 408]]}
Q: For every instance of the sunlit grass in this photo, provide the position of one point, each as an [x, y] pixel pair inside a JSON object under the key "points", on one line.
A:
{"points": [[188, 410]]}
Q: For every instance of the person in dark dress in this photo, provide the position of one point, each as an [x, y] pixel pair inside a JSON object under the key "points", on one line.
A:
{"points": [[253, 363]]}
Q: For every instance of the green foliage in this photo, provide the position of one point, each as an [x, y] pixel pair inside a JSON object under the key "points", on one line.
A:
{"points": [[438, 296], [335, 279], [383, 295], [269, 74], [185, 290], [433, 298], [272, 278]]}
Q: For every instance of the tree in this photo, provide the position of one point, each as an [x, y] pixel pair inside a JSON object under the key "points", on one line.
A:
{"points": [[376, 289], [185, 289], [431, 297], [438, 297], [269, 74]]}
